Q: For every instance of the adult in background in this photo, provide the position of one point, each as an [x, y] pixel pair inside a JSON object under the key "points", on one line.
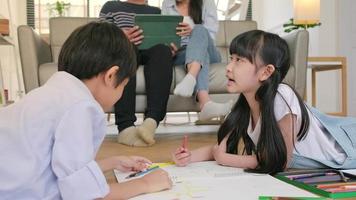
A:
{"points": [[157, 62], [197, 51]]}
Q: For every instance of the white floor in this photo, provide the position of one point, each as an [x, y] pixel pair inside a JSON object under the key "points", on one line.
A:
{"points": [[174, 123]]}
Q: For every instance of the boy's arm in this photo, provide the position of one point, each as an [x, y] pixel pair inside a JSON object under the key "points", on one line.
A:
{"points": [[124, 163], [106, 164], [74, 146], [155, 181], [127, 190]]}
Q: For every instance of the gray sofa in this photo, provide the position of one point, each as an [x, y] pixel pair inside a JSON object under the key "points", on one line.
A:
{"points": [[39, 58]]}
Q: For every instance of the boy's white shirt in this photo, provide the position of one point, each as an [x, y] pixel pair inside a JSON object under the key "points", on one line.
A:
{"points": [[318, 144], [48, 143]]}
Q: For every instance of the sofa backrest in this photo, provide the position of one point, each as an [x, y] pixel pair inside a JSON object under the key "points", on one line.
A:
{"points": [[62, 27], [36, 54], [228, 30]]}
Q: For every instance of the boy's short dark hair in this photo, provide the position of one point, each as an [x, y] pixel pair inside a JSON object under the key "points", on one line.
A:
{"points": [[96, 47]]}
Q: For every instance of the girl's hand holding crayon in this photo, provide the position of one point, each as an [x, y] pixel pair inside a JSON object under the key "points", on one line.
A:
{"points": [[182, 156], [157, 180]]}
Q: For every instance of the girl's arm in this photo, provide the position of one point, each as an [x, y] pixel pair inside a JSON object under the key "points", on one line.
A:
{"points": [[232, 160], [153, 182], [182, 156], [286, 125], [202, 154], [240, 161], [250, 161]]}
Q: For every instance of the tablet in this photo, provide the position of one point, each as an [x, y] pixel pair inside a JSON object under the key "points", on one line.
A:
{"points": [[158, 29]]}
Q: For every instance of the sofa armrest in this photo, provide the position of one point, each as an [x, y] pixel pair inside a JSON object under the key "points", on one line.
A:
{"points": [[34, 51], [298, 42]]}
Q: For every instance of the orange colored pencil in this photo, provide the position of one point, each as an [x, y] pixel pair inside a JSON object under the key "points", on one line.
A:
{"points": [[335, 190], [334, 185]]}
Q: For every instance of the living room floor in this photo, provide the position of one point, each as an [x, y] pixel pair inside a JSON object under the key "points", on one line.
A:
{"points": [[174, 123], [168, 138]]}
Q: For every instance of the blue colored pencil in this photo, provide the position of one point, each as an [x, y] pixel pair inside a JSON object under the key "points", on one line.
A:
{"points": [[141, 172]]}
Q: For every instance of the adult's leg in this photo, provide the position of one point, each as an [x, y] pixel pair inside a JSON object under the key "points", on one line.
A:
{"points": [[197, 62], [200, 52], [125, 114], [158, 73], [125, 107]]}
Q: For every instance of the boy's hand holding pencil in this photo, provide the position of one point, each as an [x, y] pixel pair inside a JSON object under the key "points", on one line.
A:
{"points": [[182, 156], [154, 178], [131, 163]]}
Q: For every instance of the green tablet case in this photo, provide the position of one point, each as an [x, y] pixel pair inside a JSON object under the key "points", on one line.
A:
{"points": [[158, 29]]}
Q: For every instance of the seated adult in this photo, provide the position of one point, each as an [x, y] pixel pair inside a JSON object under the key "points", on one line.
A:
{"points": [[198, 33], [157, 62]]}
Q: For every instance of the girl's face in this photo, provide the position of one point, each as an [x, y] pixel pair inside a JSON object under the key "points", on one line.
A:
{"points": [[243, 76]]}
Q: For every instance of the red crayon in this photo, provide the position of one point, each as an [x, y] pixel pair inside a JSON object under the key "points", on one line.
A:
{"points": [[185, 142]]}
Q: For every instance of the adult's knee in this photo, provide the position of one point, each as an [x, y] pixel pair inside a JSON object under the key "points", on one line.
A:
{"points": [[200, 30], [161, 50]]}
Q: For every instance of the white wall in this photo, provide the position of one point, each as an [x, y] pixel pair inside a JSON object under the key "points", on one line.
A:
{"points": [[9, 60], [323, 41], [270, 15], [346, 32]]}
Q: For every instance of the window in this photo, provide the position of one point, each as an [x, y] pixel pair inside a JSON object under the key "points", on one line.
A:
{"points": [[44, 9]]}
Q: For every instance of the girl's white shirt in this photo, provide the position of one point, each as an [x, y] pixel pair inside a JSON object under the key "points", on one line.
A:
{"points": [[318, 144]]}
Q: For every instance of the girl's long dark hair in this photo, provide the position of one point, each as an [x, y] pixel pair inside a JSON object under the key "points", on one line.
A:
{"points": [[262, 48], [195, 10]]}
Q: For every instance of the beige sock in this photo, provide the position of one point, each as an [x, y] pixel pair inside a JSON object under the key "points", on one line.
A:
{"points": [[147, 130], [129, 136]]}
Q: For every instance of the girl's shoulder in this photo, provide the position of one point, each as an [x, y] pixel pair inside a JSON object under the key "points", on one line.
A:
{"points": [[286, 92], [286, 101]]}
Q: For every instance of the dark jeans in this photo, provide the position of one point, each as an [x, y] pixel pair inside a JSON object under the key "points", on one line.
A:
{"points": [[158, 70]]}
